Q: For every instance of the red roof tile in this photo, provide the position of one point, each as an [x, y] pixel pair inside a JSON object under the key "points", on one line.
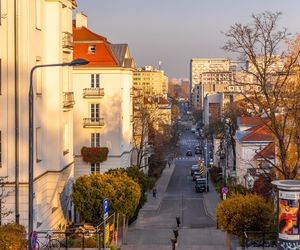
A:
{"points": [[84, 34], [268, 152], [251, 120], [259, 133], [103, 55]]}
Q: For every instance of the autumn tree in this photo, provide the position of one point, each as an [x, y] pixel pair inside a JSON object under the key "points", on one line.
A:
{"points": [[272, 86], [89, 192]]}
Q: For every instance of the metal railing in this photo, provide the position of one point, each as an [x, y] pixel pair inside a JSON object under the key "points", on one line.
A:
{"points": [[93, 122], [93, 92], [67, 40], [68, 99], [262, 239]]}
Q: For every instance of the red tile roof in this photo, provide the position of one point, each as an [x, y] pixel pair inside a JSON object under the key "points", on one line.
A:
{"points": [[268, 152], [84, 34], [103, 55], [259, 133], [251, 120]]}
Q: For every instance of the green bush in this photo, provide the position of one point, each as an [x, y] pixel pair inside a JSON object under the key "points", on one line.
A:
{"points": [[12, 236], [241, 213], [89, 192]]}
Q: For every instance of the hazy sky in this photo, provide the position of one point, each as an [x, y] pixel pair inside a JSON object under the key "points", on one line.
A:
{"points": [[174, 31]]}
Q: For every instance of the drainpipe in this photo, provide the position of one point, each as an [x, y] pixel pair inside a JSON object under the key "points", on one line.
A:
{"points": [[16, 112]]}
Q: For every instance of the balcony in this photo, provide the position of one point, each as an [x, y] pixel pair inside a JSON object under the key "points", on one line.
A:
{"points": [[93, 92], [67, 40], [68, 100], [93, 122]]}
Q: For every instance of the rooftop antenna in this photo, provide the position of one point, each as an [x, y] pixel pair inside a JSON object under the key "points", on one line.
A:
{"points": [[159, 65]]}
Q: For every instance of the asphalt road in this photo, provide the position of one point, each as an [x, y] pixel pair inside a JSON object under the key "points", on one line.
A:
{"points": [[198, 230]]}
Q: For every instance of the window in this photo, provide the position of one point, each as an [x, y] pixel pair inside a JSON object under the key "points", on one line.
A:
{"points": [[95, 140], [38, 144], [95, 112], [95, 80], [214, 87], [38, 13], [92, 49], [95, 168]]}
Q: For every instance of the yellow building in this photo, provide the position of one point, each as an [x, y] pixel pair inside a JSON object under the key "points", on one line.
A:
{"points": [[152, 81]]}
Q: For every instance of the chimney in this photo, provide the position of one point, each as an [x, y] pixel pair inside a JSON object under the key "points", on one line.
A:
{"points": [[81, 20]]}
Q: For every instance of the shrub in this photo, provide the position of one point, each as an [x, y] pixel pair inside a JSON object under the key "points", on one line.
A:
{"points": [[215, 174], [240, 213], [263, 186], [89, 191], [12, 236]]}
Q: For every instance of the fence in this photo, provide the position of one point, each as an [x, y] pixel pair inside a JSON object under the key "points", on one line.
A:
{"points": [[91, 238], [262, 239]]}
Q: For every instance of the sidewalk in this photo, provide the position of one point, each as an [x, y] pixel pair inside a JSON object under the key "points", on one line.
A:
{"points": [[161, 185], [211, 201], [153, 204]]}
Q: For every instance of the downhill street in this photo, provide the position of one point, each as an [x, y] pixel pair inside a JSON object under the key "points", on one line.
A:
{"points": [[153, 228]]}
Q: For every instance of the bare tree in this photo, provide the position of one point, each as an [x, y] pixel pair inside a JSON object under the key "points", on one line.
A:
{"points": [[145, 115], [271, 88]]}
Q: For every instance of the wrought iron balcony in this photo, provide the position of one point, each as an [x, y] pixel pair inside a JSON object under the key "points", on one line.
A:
{"points": [[68, 99], [67, 40], [93, 122], [93, 92]]}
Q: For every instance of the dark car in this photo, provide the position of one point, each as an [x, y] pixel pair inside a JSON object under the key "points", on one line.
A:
{"points": [[194, 168], [201, 185], [189, 153], [196, 175], [197, 151]]}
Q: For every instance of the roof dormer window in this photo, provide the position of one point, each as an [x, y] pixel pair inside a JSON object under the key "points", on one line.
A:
{"points": [[92, 49]]}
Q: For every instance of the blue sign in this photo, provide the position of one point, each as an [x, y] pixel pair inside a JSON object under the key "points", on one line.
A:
{"points": [[225, 190], [105, 208]]}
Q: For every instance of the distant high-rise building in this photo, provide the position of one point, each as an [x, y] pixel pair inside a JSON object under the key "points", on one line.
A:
{"points": [[212, 75], [152, 81]]}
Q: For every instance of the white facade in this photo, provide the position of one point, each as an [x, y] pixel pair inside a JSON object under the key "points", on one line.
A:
{"points": [[208, 112], [201, 65], [44, 31], [245, 153], [115, 110]]}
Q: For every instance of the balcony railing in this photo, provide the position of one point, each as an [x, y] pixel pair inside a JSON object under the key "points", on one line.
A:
{"points": [[93, 122], [93, 92], [67, 40], [68, 99]]}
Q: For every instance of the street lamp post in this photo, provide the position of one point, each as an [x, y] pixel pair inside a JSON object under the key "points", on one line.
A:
{"points": [[76, 62]]}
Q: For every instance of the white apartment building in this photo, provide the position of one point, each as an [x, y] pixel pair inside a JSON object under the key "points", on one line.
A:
{"points": [[103, 95], [201, 65], [43, 36]]}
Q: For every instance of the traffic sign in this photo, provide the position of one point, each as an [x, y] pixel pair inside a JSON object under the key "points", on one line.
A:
{"points": [[105, 208], [225, 190]]}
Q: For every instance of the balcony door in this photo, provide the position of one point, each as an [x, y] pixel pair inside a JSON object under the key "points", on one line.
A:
{"points": [[95, 112], [95, 81]]}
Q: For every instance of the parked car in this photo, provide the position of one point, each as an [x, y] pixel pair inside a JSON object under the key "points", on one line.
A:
{"points": [[196, 175], [193, 169], [189, 153], [201, 184], [197, 151]]}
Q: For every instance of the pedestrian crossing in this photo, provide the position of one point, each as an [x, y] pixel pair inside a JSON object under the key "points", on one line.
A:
{"points": [[188, 158], [189, 142]]}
